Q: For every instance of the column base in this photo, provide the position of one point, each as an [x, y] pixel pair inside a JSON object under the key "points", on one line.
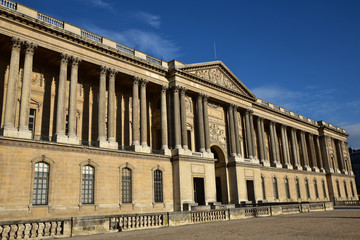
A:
{"points": [[236, 159], [316, 169], [330, 170], [142, 149], [322, 170], [344, 172], [276, 164], [14, 133], [338, 171], [351, 173], [181, 151], [265, 163], [307, 168], [67, 139], [298, 167], [255, 160], [208, 154], [288, 166], [166, 151], [107, 144]]}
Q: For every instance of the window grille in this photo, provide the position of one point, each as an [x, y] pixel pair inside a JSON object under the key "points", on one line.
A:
{"points": [[287, 190], [263, 187], [275, 188], [32, 119], [158, 193], [338, 188], [324, 188], [307, 188], [298, 193], [316, 189], [41, 183], [346, 192], [87, 184], [126, 189]]}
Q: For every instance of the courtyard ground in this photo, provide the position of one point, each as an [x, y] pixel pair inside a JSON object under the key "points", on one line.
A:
{"points": [[342, 223]]}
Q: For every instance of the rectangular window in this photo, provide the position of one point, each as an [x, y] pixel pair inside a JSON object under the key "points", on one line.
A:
{"points": [[41, 184], [298, 189], [87, 185], [275, 189], [126, 189], [352, 189], [32, 114], [287, 190], [324, 189], [158, 194], [316, 189], [67, 124], [263, 187], [346, 192], [338, 188], [307, 188]]}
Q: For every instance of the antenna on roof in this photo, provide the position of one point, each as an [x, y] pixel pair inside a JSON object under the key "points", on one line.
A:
{"points": [[215, 50]]}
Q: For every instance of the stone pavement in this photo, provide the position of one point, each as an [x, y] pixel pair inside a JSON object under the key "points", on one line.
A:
{"points": [[342, 223]]}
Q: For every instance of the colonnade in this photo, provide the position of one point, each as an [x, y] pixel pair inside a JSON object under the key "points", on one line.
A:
{"points": [[292, 149]]}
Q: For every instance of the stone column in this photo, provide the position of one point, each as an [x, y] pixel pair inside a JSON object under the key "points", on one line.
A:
{"points": [[73, 101], [111, 111], [252, 135], [200, 118], [312, 153], [61, 100], [135, 114], [102, 107], [304, 152], [11, 92], [143, 116], [340, 155], [318, 154], [285, 147], [236, 129], [274, 146], [260, 139], [266, 160], [295, 152], [206, 124], [232, 130], [26, 91], [250, 153], [177, 126], [183, 119], [164, 124]]}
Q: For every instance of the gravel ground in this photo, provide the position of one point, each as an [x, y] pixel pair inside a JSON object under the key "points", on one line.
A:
{"points": [[342, 223]]}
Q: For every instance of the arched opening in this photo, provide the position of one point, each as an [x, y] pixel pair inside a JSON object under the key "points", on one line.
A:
{"points": [[220, 175]]}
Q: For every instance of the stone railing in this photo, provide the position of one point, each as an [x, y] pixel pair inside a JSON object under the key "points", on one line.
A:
{"points": [[347, 203], [50, 20], [34, 229], [153, 60], [291, 208], [140, 221], [91, 36], [125, 49], [208, 216], [263, 211], [316, 206], [8, 4]]}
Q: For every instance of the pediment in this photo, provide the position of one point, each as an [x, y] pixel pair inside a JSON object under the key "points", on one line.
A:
{"points": [[218, 74]]}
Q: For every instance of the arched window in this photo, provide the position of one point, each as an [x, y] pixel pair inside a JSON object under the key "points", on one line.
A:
{"points": [[275, 188], [263, 187], [324, 188], [316, 189], [41, 184], [287, 190], [352, 189], [158, 192], [338, 188], [126, 186], [88, 173], [346, 192], [307, 188], [297, 185]]}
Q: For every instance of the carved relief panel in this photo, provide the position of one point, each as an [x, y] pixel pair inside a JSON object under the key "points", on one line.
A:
{"points": [[217, 125]]}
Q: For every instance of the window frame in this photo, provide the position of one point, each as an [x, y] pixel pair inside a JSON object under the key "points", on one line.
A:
{"points": [[130, 183], [316, 189], [324, 188], [263, 187], [275, 188], [287, 188], [158, 194], [84, 196], [307, 188], [297, 186], [35, 194]]}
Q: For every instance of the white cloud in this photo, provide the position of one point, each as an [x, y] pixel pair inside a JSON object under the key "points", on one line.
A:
{"points": [[100, 4], [148, 18], [149, 42], [354, 138]]}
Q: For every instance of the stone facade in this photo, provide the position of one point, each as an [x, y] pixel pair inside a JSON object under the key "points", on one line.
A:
{"points": [[90, 127]]}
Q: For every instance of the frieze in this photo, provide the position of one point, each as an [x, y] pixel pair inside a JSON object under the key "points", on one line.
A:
{"points": [[217, 77], [217, 135]]}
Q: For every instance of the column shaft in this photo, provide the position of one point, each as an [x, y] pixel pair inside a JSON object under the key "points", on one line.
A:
{"points": [[273, 147], [135, 113], [236, 129], [183, 119], [164, 127], [263, 140], [12, 84], [143, 114], [73, 97], [285, 146], [295, 148], [26, 87], [102, 105], [61, 98], [318, 153], [206, 124], [177, 119], [252, 134], [304, 150], [232, 131], [312, 152], [200, 112], [260, 138], [111, 107], [250, 153]]}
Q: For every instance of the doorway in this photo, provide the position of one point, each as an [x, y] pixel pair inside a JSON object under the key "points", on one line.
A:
{"points": [[220, 175], [250, 191], [199, 193]]}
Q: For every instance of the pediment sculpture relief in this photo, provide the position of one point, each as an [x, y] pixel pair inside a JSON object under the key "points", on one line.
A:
{"points": [[217, 77], [217, 135]]}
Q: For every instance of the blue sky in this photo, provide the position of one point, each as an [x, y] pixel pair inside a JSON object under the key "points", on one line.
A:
{"points": [[301, 55]]}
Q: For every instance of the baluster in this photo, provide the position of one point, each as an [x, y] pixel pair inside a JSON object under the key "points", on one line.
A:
{"points": [[20, 231], [53, 229], [47, 229], [5, 233], [121, 222], [59, 228], [27, 231]]}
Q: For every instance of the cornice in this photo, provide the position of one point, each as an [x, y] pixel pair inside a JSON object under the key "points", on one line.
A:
{"points": [[65, 35], [185, 158]]}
